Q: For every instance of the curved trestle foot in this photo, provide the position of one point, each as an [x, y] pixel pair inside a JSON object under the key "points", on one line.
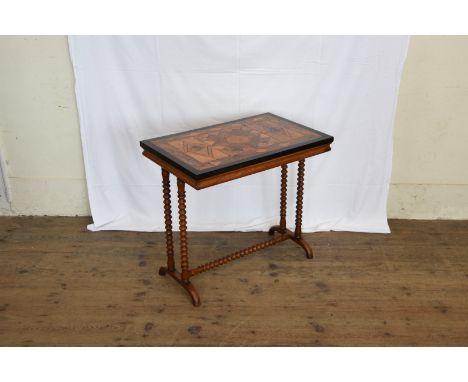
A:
{"points": [[187, 285], [299, 240]]}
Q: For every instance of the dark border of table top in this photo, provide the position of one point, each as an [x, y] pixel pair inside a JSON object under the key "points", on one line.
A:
{"points": [[198, 175]]}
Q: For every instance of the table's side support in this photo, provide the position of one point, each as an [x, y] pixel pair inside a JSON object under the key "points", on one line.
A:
{"points": [[181, 277], [295, 236], [168, 220], [184, 263]]}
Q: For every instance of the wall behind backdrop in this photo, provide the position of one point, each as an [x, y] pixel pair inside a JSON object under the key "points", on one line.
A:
{"points": [[40, 139]]}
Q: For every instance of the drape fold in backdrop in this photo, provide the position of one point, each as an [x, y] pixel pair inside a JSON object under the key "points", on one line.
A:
{"points": [[131, 88]]}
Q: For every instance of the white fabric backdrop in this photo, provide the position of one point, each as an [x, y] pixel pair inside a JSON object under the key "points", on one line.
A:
{"points": [[131, 88]]}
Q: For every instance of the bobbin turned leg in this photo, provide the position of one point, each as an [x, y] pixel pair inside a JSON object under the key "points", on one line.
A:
{"points": [[299, 201], [168, 224], [184, 260], [281, 228]]}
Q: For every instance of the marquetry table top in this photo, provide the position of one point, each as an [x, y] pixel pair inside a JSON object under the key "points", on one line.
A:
{"points": [[229, 146]]}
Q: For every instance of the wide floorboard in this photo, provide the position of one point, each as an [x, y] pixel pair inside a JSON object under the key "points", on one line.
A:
{"points": [[61, 285]]}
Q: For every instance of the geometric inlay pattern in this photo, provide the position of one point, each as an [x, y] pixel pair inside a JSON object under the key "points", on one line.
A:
{"points": [[222, 145]]}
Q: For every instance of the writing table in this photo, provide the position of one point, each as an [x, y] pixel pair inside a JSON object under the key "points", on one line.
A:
{"points": [[220, 153]]}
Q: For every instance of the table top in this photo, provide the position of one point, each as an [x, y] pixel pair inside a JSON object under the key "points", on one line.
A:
{"points": [[217, 149]]}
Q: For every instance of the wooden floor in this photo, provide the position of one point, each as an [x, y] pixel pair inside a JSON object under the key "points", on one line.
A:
{"points": [[62, 285]]}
